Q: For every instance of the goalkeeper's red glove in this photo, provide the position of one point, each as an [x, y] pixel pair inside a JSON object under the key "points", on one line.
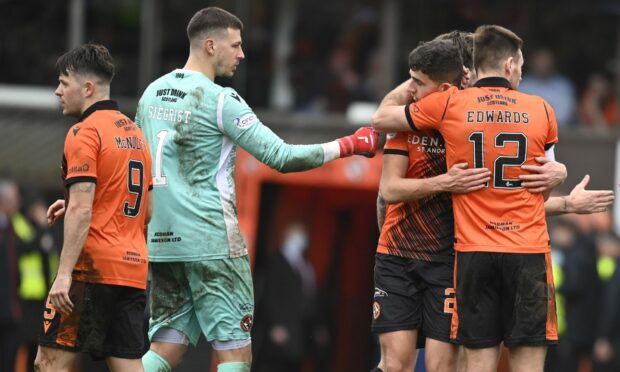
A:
{"points": [[363, 142]]}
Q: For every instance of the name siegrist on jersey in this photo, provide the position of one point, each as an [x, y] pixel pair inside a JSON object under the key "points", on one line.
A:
{"points": [[169, 114]]}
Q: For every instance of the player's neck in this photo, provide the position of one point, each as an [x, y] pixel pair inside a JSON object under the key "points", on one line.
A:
{"points": [[194, 63], [92, 100], [488, 74]]}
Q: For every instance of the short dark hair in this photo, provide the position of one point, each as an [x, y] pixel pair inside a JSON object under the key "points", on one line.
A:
{"points": [[90, 58], [439, 59], [464, 41], [493, 44], [211, 19]]}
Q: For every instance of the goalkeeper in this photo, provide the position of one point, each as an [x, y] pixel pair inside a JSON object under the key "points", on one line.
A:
{"points": [[200, 273]]}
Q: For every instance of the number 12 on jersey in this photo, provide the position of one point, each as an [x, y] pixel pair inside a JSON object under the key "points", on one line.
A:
{"points": [[499, 164]]}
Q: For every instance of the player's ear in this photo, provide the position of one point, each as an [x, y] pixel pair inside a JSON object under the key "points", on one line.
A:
{"points": [[209, 46], [89, 88], [466, 79], [509, 65], [444, 86]]}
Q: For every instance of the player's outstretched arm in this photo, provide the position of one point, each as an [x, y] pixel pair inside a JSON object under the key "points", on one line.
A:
{"points": [[580, 200], [56, 211], [390, 116], [544, 177], [395, 187], [239, 123]]}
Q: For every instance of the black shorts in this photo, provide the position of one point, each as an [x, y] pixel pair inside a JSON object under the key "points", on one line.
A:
{"points": [[413, 294], [106, 321], [504, 297]]}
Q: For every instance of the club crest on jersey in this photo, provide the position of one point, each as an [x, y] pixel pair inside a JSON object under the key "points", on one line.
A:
{"points": [[76, 130], [376, 310], [246, 323], [245, 121], [391, 135]]}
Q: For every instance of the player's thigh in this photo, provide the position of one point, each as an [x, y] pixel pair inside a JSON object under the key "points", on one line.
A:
{"points": [[527, 358], [529, 313], [478, 320], [54, 360], [398, 349], [125, 336], [440, 355], [481, 359], [397, 304], [171, 302], [122, 365], [87, 327], [438, 299], [223, 297], [242, 354]]}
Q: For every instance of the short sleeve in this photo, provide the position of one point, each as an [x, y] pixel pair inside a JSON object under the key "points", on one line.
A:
{"points": [[82, 146], [429, 111], [552, 133], [396, 144]]}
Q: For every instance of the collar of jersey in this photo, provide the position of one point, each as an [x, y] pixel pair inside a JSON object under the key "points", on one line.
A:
{"points": [[99, 105], [493, 82]]}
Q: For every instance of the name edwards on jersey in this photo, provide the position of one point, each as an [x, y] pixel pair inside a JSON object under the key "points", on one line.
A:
{"points": [[497, 116]]}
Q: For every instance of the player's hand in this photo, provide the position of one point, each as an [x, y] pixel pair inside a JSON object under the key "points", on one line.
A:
{"points": [[56, 211], [584, 201], [59, 294], [460, 179], [363, 142], [547, 175]]}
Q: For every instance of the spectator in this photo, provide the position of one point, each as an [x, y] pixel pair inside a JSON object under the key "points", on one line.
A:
{"points": [[598, 106], [608, 330], [543, 80], [579, 287], [10, 309], [38, 262], [286, 306]]}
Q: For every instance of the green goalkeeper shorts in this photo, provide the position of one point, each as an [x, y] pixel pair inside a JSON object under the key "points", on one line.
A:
{"points": [[214, 297]]}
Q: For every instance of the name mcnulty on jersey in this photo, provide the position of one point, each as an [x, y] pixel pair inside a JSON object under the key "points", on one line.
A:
{"points": [[169, 114], [129, 143]]}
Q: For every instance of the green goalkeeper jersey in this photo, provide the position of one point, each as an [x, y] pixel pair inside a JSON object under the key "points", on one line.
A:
{"points": [[193, 127]]}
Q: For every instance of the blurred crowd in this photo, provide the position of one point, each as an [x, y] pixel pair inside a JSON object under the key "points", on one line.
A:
{"points": [[586, 258], [324, 57], [29, 252], [595, 106]]}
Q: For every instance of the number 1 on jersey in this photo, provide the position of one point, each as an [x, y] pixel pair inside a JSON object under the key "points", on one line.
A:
{"points": [[159, 179]]}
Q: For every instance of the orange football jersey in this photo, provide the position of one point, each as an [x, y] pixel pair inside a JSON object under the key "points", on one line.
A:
{"points": [[421, 229], [107, 148], [493, 126]]}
